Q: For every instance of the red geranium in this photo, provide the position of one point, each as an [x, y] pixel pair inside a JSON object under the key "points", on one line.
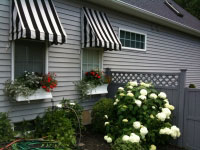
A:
{"points": [[49, 82]]}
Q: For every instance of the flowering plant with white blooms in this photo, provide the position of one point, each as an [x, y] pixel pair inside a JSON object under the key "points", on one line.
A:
{"points": [[142, 116]]}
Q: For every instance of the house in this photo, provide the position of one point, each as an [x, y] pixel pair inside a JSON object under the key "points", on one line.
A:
{"points": [[155, 36]]}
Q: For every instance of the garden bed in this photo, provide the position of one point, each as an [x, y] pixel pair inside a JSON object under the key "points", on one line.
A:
{"points": [[93, 141]]}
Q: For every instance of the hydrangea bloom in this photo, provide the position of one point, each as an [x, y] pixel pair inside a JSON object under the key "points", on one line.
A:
{"points": [[152, 147], [161, 116], [106, 116], [133, 83], [125, 138], [162, 95], [125, 120], [59, 105], [134, 138], [143, 131], [143, 92], [121, 89], [130, 87], [142, 97], [106, 123], [153, 96], [130, 94], [136, 125], [138, 103], [175, 132], [167, 112], [108, 139], [121, 94]]}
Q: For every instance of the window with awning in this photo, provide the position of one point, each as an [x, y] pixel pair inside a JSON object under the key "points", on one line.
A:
{"points": [[98, 32], [36, 19]]}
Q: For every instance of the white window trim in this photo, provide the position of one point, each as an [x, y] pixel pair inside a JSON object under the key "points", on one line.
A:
{"points": [[13, 59], [137, 32], [102, 60]]}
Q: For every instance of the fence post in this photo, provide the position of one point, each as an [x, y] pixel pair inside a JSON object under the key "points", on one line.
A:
{"points": [[108, 75], [181, 104]]}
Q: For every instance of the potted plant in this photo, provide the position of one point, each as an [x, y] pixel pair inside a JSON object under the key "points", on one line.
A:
{"points": [[30, 86], [92, 83]]}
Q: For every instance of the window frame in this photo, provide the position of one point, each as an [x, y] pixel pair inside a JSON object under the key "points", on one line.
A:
{"points": [[102, 58], [13, 58], [136, 32]]}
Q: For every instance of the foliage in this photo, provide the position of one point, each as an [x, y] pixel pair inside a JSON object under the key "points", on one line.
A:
{"points": [[191, 6], [121, 145], [57, 127], [72, 113], [142, 115], [28, 83], [49, 82], [103, 107], [91, 80], [6, 131], [192, 86]]}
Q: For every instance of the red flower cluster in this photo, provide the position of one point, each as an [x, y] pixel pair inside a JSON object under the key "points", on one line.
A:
{"points": [[48, 82], [94, 74]]}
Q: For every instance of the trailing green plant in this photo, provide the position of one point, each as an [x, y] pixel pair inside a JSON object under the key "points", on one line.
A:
{"points": [[119, 144], [100, 112], [141, 115], [26, 84], [55, 126], [192, 86], [90, 80], [6, 131]]}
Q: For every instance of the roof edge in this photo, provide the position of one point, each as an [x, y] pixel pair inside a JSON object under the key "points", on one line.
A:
{"points": [[146, 15]]}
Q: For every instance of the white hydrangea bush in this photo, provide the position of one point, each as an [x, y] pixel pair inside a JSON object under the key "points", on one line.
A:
{"points": [[142, 115]]}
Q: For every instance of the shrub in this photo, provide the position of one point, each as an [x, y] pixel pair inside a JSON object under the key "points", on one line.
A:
{"points": [[101, 109], [142, 115], [121, 145], [6, 131], [56, 127], [192, 86]]}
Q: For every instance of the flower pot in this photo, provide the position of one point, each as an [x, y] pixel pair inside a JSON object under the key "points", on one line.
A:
{"points": [[39, 94], [101, 89]]}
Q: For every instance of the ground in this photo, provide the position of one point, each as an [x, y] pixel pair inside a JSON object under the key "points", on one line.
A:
{"points": [[91, 141]]}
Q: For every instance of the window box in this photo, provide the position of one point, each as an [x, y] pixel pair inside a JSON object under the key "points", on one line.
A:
{"points": [[102, 89], [39, 94]]}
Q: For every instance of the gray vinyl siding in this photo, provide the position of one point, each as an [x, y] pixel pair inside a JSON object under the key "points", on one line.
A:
{"points": [[167, 51]]}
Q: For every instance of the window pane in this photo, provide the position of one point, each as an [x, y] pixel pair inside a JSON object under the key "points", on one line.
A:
{"points": [[93, 60], [122, 34], [133, 44], [128, 35], [138, 45], [127, 43], [29, 56], [137, 37], [142, 38], [133, 36], [122, 41], [142, 45]]}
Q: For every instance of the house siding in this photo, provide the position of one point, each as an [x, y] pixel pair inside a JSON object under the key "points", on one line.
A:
{"points": [[167, 51]]}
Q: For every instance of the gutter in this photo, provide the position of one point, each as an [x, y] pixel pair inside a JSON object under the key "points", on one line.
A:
{"points": [[146, 15]]}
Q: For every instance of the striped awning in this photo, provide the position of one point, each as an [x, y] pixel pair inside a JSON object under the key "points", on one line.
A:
{"points": [[36, 19], [98, 32]]}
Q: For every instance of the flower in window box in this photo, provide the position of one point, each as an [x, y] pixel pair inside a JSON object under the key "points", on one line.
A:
{"points": [[49, 82]]}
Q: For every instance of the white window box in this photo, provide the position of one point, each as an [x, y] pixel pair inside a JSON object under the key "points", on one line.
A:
{"points": [[39, 94], [102, 89]]}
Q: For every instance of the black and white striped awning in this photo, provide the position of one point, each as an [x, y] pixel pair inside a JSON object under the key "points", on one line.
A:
{"points": [[98, 32], [36, 19]]}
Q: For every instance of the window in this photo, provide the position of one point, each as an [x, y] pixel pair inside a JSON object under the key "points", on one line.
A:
{"points": [[133, 40], [91, 59], [29, 56]]}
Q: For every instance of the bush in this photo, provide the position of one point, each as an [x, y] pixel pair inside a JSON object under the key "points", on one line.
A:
{"points": [[56, 127], [121, 145], [6, 131], [142, 115], [192, 86], [103, 107]]}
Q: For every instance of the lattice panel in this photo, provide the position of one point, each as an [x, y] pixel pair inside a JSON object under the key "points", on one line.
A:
{"points": [[157, 79]]}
